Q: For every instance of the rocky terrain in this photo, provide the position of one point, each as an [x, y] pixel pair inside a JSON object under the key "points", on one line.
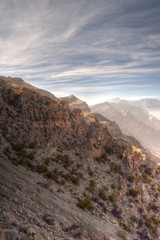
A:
{"points": [[65, 177], [133, 121]]}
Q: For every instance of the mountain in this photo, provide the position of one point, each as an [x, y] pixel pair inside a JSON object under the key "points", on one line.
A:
{"points": [[133, 121], [63, 177], [152, 105], [19, 84], [74, 103]]}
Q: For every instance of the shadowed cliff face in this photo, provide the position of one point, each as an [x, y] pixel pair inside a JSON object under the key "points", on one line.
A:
{"points": [[30, 117]]}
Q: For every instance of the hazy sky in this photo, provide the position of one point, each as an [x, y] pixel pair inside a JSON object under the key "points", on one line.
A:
{"points": [[94, 49]]}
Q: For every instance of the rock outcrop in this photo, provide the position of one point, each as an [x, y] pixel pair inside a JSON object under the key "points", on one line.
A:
{"points": [[74, 103]]}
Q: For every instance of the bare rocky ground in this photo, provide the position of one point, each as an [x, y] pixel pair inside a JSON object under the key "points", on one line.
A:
{"points": [[33, 208]]}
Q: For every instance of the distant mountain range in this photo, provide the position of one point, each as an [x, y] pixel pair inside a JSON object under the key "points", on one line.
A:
{"points": [[152, 105], [134, 119]]}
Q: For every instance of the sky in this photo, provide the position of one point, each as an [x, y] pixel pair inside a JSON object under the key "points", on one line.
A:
{"points": [[95, 50]]}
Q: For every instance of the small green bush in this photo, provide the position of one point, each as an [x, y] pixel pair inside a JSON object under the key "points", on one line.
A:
{"points": [[148, 221], [133, 192], [112, 197], [60, 149], [109, 150], [79, 165], [104, 209], [92, 186], [86, 203], [131, 178], [102, 194], [145, 178], [41, 168], [116, 168], [124, 226], [53, 175], [29, 165], [91, 173], [75, 179], [30, 156], [134, 218], [113, 186], [47, 161], [18, 147], [32, 145]]}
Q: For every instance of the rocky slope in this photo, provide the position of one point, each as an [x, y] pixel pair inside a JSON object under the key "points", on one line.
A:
{"points": [[64, 178], [133, 121], [20, 84]]}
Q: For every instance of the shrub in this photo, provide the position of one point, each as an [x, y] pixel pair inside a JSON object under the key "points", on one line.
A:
{"points": [[145, 178], [30, 155], [112, 197], [91, 173], [102, 194], [18, 147], [75, 179], [116, 168], [92, 186], [131, 200], [104, 209], [113, 186], [86, 203], [148, 221], [133, 192], [124, 226], [42, 168], [131, 178], [152, 207], [60, 149], [154, 230], [158, 189], [53, 175], [156, 221], [29, 165], [79, 165], [32, 145], [134, 218], [100, 160], [109, 150], [156, 195], [47, 161]]}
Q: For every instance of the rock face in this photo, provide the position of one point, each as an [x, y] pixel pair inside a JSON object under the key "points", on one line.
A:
{"points": [[133, 121], [64, 178], [77, 103]]}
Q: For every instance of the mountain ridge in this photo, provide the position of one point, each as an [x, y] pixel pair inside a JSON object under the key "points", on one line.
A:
{"points": [[65, 178]]}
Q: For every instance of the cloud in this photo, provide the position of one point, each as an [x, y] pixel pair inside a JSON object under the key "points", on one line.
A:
{"points": [[82, 45]]}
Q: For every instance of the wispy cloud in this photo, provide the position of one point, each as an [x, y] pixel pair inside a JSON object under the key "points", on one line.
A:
{"points": [[87, 48]]}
